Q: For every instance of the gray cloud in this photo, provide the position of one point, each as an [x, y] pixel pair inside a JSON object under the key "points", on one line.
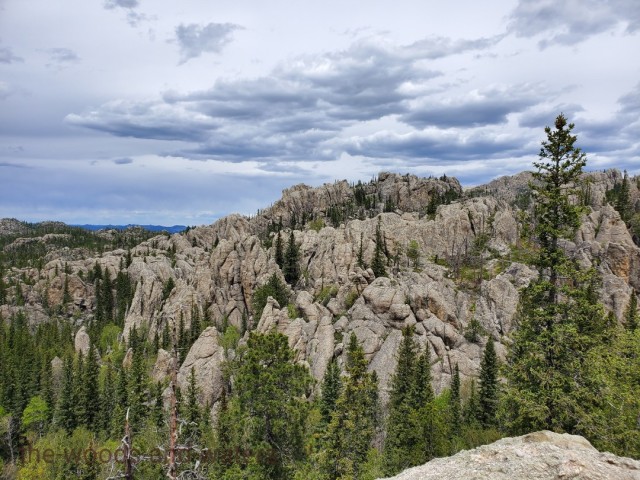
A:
{"points": [[61, 57], [572, 21], [13, 165], [110, 4], [194, 39], [289, 113], [422, 147], [133, 17], [618, 134], [123, 161], [146, 120], [476, 109], [7, 56], [303, 111], [439, 47], [545, 115]]}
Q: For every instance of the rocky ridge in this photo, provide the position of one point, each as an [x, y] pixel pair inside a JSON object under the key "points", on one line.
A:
{"points": [[472, 262], [537, 456]]}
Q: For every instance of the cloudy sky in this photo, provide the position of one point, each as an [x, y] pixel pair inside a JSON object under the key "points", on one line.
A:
{"points": [[158, 111]]}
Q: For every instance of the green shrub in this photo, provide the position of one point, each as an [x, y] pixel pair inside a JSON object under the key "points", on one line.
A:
{"points": [[317, 224], [474, 331], [292, 310], [327, 293], [275, 288], [351, 298]]}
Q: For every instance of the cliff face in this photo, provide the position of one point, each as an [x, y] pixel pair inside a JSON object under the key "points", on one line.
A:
{"points": [[461, 286], [536, 456]]}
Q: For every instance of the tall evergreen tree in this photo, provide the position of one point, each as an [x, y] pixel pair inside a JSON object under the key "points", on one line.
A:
{"points": [[121, 402], [455, 406], [138, 390], [279, 256], [360, 258], [352, 425], [378, 262], [401, 430], [488, 395], [631, 315], [192, 413], [471, 411], [90, 391], [623, 200], [65, 414], [66, 296], [78, 390], [157, 413], [291, 268], [107, 399], [270, 389], [107, 297], [559, 316], [331, 387], [196, 323]]}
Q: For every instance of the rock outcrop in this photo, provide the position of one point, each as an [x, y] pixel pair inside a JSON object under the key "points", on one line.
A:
{"points": [[537, 456]]}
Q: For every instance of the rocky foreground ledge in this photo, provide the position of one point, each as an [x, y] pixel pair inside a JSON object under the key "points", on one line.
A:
{"points": [[537, 456]]}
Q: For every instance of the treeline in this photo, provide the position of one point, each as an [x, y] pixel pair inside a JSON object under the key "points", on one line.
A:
{"points": [[31, 251]]}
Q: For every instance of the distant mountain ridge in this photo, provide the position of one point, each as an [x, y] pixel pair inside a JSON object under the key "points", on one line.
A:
{"points": [[151, 228]]}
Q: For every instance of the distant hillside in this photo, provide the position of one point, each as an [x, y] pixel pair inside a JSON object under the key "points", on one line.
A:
{"points": [[151, 228]]}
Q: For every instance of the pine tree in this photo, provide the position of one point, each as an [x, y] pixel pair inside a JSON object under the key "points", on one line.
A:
{"points": [[558, 172], [378, 262], [471, 411], [360, 258], [196, 324], [623, 200], [66, 296], [89, 396], [138, 391], [157, 413], [106, 294], [107, 399], [331, 387], [78, 392], [270, 389], [455, 405], [121, 402], [166, 336], [192, 413], [291, 268], [46, 389], [631, 315], [279, 256], [65, 414], [401, 431], [352, 425], [182, 340], [559, 316], [488, 395]]}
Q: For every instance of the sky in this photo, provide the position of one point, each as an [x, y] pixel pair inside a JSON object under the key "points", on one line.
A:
{"points": [[166, 112]]}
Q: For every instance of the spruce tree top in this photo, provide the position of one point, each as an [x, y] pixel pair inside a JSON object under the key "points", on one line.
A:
{"points": [[558, 171]]}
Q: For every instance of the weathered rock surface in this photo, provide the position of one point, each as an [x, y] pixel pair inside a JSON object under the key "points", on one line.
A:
{"points": [[537, 456], [82, 341], [205, 357]]}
